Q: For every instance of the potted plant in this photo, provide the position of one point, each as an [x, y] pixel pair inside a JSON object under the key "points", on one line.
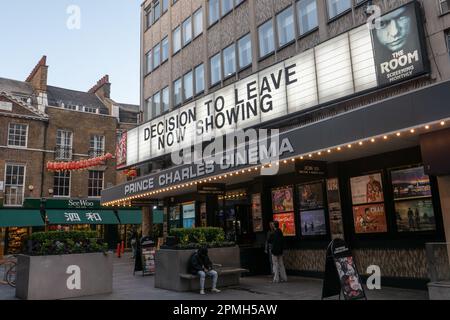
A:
{"points": [[62, 265]]}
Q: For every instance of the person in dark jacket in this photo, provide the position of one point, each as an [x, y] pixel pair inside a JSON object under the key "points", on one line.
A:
{"points": [[201, 265], [277, 254]]}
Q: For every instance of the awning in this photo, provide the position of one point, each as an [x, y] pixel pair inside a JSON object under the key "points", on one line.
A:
{"points": [[130, 216], [20, 218], [67, 216]]}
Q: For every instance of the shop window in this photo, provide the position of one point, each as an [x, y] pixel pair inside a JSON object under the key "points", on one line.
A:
{"points": [[61, 184], [213, 11], [307, 15], [336, 7], [17, 135], [176, 45], [285, 26], [156, 108], [266, 39], [444, 6], [216, 69], [198, 22], [229, 61], [187, 31], [156, 56], [199, 79], [64, 140], [245, 51], [14, 184], [165, 49], [189, 215], [188, 88], [97, 146], [165, 100], [177, 93], [95, 183]]}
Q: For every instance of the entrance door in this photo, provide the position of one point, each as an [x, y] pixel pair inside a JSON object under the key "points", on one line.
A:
{"points": [[244, 232]]}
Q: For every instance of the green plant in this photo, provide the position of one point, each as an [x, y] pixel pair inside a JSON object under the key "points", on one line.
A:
{"points": [[198, 237]]}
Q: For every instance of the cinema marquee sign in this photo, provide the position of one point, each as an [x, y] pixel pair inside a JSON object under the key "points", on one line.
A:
{"points": [[356, 61]]}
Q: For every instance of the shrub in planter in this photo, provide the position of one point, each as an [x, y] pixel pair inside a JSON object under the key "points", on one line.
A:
{"points": [[197, 237], [65, 242]]}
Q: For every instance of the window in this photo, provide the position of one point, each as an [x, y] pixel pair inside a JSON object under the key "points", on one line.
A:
{"points": [[156, 56], [245, 51], [336, 7], [95, 183], [229, 60], [165, 100], [63, 145], [176, 40], [213, 11], [307, 15], [148, 17], [199, 79], [187, 31], [97, 146], [177, 94], [148, 109], [215, 66], [285, 24], [227, 6], [156, 109], [61, 184], [238, 2], [90, 110], [165, 5], [188, 88], [165, 49], [148, 62], [17, 135], [198, 22], [445, 6], [156, 11], [266, 42], [14, 184]]}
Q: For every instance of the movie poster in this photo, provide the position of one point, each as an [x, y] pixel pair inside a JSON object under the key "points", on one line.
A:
{"points": [[397, 45], [350, 282], [370, 219], [415, 215], [257, 213], [189, 215], [334, 209], [174, 217], [311, 196], [282, 200], [313, 223], [367, 189], [121, 151], [410, 183], [287, 223]]}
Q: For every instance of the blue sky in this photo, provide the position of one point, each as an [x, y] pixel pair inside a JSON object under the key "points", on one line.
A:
{"points": [[106, 43]]}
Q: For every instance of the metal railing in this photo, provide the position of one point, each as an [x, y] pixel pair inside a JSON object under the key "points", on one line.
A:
{"points": [[438, 261], [63, 153]]}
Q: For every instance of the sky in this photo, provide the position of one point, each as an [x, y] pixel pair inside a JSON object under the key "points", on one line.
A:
{"points": [[104, 38]]}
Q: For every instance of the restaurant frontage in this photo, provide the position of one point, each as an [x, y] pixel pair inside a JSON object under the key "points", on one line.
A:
{"points": [[357, 152], [113, 224]]}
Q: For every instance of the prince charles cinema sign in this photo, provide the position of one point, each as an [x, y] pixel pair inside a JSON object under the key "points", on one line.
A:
{"points": [[357, 61]]}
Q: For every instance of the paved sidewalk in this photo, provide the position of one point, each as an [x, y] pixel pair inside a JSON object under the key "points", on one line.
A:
{"points": [[129, 287]]}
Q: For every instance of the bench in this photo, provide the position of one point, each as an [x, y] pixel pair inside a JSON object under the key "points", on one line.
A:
{"points": [[172, 269]]}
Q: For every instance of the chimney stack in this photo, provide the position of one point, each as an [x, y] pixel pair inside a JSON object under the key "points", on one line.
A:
{"points": [[38, 77], [103, 88]]}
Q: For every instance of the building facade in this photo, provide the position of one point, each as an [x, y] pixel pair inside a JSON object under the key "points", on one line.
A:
{"points": [[41, 124], [360, 113]]}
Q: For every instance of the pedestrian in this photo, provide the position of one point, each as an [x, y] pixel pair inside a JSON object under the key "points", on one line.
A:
{"points": [[277, 254], [133, 241], [268, 247], [201, 265]]}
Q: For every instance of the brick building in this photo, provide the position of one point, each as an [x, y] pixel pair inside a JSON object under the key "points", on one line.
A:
{"points": [[40, 123]]}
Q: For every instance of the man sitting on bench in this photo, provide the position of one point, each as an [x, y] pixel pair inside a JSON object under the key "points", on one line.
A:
{"points": [[201, 265]]}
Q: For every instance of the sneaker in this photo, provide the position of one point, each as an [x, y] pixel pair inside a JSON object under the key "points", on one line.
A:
{"points": [[215, 290], [202, 292]]}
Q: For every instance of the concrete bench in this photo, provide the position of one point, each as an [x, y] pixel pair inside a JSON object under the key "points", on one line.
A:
{"points": [[172, 269]]}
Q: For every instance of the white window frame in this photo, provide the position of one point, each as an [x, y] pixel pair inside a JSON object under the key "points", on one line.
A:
{"points": [[103, 183], [440, 7], [94, 139], [26, 135], [70, 186], [23, 187]]}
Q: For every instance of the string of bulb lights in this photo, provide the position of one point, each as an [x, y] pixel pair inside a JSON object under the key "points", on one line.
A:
{"points": [[127, 202]]}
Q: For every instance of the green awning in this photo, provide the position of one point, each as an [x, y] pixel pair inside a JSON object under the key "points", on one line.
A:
{"points": [[20, 218], [130, 216], [68, 216]]}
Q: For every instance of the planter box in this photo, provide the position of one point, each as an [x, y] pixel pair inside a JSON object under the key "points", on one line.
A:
{"points": [[439, 290], [65, 276], [172, 268]]}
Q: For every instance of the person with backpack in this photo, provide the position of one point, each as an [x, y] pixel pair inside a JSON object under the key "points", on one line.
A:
{"points": [[201, 265], [277, 254]]}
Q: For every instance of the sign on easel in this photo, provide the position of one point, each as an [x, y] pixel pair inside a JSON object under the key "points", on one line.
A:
{"points": [[341, 274], [145, 257]]}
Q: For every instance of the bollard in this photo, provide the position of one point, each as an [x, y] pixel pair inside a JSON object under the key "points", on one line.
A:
{"points": [[122, 248], [118, 250]]}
